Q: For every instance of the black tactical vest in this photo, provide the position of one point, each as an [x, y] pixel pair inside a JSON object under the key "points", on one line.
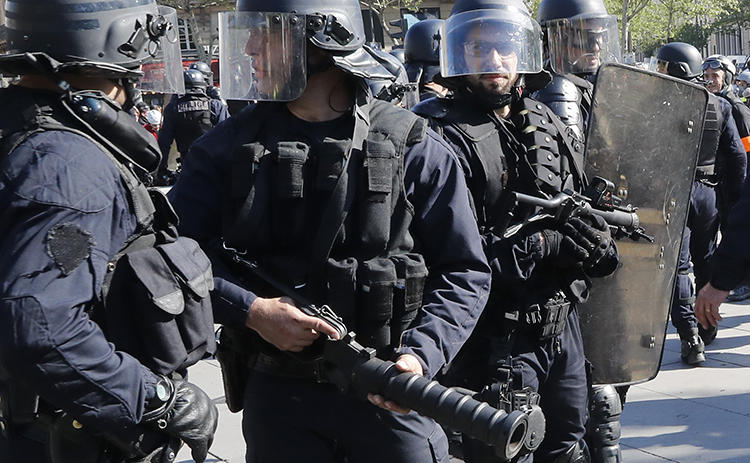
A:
{"points": [[539, 166], [193, 119], [154, 302], [332, 220], [711, 132]]}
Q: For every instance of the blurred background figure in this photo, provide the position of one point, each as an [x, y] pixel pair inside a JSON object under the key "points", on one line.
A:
{"points": [[186, 118], [212, 91], [422, 57], [153, 122]]}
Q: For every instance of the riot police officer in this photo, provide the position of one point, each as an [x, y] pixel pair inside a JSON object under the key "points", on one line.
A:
{"points": [[81, 239], [212, 91], [579, 37], [186, 118], [422, 57], [729, 264], [491, 56], [719, 73], [721, 163], [338, 195]]}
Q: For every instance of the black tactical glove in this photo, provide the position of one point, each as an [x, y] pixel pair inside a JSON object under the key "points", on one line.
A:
{"points": [[186, 414], [583, 240]]}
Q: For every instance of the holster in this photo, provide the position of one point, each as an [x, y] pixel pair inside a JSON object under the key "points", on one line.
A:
{"points": [[71, 442], [548, 319], [236, 353]]}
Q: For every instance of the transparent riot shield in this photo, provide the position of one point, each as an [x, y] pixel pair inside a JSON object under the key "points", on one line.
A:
{"points": [[644, 135]]}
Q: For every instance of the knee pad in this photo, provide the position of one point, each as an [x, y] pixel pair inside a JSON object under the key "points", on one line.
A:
{"points": [[603, 429]]}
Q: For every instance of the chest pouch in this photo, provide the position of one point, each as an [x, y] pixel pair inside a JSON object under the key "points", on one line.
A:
{"points": [[331, 155], [158, 307], [290, 214], [411, 274], [250, 190], [340, 288], [376, 197], [376, 281]]}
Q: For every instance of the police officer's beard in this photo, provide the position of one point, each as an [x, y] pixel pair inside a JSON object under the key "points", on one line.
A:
{"points": [[490, 94]]}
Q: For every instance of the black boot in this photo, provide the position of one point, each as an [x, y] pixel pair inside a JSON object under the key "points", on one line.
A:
{"points": [[692, 349], [708, 335]]}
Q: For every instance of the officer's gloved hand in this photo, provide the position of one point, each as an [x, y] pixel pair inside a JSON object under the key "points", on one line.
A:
{"points": [[589, 239], [585, 241], [188, 415]]}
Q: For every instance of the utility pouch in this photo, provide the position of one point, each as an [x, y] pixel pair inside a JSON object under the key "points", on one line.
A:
{"points": [[289, 213], [554, 317], [158, 307], [235, 352], [377, 278], [375, 215], [291, 158], [331, 155], [411, 272], [341, 287]]}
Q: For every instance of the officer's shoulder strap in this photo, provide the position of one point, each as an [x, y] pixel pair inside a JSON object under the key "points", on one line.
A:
{"points": [[434, 108], [27, 118], [717, 104], [401, 127], [572, 147], [559, 89]]}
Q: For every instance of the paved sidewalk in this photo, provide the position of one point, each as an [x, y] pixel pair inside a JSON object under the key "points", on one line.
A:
{"points": [[685, 415]]}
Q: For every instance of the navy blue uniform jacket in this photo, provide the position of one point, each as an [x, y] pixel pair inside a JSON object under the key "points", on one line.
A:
{"points": [[459, 280], [48, 344]]}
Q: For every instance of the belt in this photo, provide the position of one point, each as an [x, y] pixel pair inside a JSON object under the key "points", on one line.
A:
{"points": [[285, 366]]}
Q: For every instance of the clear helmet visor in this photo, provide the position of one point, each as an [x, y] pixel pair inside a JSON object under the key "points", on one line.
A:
{"points": [[262, 55], [490, 42], [163, 72], [582, 44]]}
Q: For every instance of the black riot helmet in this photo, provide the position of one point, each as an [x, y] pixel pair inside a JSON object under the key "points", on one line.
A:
{"points": [[333, 25], [268, 48], [560, 9], [95, 38], [490, 37], [422, 41], [723, 63], [680, 59], [580, 35], [204, 69], [195, 81], [422, 50]]}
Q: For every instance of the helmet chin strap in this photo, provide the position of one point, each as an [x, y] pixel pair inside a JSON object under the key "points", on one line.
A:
{"points": [[132, 95]]}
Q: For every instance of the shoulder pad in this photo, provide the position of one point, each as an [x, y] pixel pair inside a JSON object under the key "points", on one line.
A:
{"points": [[560, 89], [435, 108], [401, 126]]}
